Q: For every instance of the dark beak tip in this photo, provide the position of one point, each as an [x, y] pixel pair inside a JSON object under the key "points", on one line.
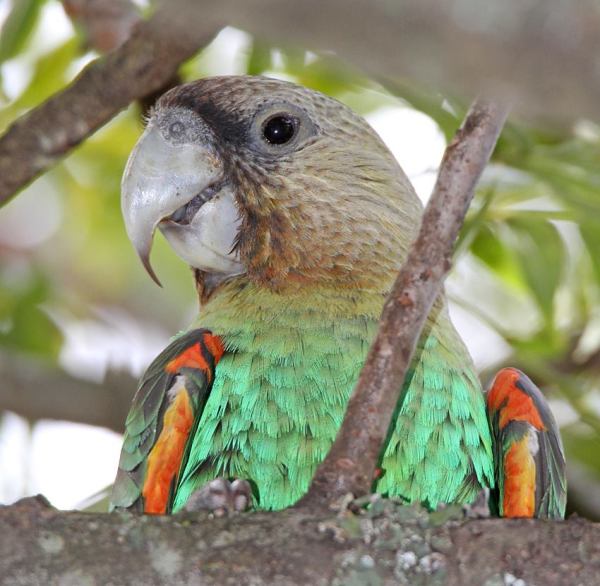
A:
{"points": [[146, 262]]}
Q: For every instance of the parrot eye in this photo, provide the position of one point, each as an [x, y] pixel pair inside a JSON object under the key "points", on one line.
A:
{"points": [[279, 129]]}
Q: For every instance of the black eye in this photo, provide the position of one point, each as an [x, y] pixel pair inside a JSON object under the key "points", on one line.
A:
{"points": [[279, 129]]}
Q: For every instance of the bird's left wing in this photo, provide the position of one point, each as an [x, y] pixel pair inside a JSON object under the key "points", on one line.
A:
{"points": [[165, 411], [528, 454]]}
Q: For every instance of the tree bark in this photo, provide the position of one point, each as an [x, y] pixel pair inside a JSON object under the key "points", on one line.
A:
{"points": [[389, 544], [107, 24]]}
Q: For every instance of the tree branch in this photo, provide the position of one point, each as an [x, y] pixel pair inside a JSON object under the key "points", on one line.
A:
{"points": [[350, 465], [387, 545], [537, 52], [36, 391], [107, 24], [142, 65]]}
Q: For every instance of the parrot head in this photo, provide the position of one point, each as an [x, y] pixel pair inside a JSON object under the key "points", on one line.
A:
{"points": [[256, 176]]}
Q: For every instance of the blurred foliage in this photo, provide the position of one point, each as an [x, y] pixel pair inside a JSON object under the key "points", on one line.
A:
{"points": [[531, 240], [18, 27]]}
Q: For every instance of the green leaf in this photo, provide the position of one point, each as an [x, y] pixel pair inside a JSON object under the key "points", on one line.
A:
{"points": [[590, 232], [514, 145], [475, 220], [259, 59], [488, 247], [26, 326], [540, 251], [18, 27], [447, 112]]}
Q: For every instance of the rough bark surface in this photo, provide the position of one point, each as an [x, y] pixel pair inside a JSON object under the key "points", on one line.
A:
{"points": [[389, 544]]}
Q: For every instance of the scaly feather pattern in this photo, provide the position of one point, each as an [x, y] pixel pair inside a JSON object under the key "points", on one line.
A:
{"points": [[439, 447], [281, 390]]}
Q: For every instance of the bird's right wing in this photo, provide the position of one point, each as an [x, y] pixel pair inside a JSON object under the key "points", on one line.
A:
{"points": [[161, 422]]}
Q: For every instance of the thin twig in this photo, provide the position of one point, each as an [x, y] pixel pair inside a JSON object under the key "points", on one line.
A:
{"points": [[142, 65], [350, 465]]}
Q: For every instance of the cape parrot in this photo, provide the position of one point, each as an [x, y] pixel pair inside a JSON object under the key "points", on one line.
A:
{"points": [[296, 218]]}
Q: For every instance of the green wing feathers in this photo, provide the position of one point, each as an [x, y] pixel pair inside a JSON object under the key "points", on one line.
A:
{"points": [[279, 400], [439, 449], [165, 410], [272, 408]]}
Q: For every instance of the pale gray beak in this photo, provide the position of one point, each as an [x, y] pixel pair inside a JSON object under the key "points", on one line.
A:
{"points": [[167, 181]]}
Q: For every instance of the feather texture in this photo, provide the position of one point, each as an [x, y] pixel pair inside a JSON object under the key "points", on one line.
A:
{"points": [[325, 221], [281, 390], [165, 410], [528, 453]]}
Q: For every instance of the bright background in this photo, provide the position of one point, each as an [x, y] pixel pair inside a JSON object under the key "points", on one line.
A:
{"points": [[75, 300]]}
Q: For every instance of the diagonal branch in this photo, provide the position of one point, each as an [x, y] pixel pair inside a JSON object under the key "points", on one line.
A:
{"points": [[350, 465], [107, 24], [142, 65], [535, 55]]}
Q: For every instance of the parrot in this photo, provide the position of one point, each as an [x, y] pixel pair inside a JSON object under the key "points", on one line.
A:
{"points": [[295, 219]]}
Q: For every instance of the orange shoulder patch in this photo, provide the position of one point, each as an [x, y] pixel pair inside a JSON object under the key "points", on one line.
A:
{"points": [[193, 357], [513, 403], [215, 346], [190, 358]]}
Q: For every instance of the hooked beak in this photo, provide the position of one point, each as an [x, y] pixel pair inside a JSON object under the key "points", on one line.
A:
{"points": [[169, 183]]}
